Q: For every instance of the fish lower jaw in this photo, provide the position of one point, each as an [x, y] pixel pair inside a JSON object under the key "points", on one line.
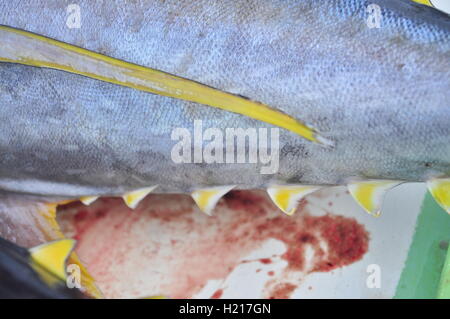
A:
{"points": [[368, 193], [289, 199]]}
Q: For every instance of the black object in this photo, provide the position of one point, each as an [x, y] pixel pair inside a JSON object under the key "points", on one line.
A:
{"points": [[18, 279]]}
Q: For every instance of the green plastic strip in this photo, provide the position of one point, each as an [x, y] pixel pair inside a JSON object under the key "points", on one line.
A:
{"points": [[444, 285], [422, 272]]}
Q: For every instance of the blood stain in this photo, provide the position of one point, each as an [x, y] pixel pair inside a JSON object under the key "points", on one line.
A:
{"points": [[217, 294], [283, 291], [167, 247]]}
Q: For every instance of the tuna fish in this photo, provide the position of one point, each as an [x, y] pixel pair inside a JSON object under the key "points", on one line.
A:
{"points": [[360, 92]]}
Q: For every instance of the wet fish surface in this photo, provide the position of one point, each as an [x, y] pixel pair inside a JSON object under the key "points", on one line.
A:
{"points": [[381, 94]]}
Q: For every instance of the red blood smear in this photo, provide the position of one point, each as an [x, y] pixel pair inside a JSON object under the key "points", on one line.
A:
{"points": [[270, 273], [217, 294], [283, 291], [242, 222], [246, 201]]}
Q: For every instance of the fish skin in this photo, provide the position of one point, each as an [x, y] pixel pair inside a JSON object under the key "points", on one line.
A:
{"points": [[383, 95]]}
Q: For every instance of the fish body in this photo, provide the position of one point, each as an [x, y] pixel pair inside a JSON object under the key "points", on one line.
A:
{"points": [[373, 78], [382, 95]]}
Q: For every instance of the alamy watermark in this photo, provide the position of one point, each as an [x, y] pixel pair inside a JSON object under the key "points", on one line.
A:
{"points": [[374, 278], [74, 16], [374, 16], [230, 146], [73, 279]]}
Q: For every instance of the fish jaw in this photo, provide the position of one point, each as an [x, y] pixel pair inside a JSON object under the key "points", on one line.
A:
{"points": [[92, 143], [29, 221]]}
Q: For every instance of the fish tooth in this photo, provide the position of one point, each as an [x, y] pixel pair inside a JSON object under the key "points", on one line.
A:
{"points": [[440, 189], [26, 214], [207, 198], [133, 198], [369, 194], [53, 256], [286, 197], [88, 200]]}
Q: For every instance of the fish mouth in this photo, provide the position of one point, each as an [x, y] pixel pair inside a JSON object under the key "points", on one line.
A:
{"points": [[164, 245], [167, 247]]}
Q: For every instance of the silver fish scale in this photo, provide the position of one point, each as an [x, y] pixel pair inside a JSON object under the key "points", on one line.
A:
{"points": [[381, 94]]}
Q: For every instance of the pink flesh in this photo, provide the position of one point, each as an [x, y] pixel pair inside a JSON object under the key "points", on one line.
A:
{"points": [[168, 247]]}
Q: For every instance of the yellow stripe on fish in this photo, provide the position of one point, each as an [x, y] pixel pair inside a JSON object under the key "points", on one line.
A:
{"points": [[27, 48]]}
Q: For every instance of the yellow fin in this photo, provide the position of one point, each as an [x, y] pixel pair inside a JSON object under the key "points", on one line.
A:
{"points": [[369, 194], [87, 281], [440, 189], [27, 48], [53, 256], [286, 197], [132, 199], [207, 198], [425, 2], [443, 5], [88, 200], [37, 221]]}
